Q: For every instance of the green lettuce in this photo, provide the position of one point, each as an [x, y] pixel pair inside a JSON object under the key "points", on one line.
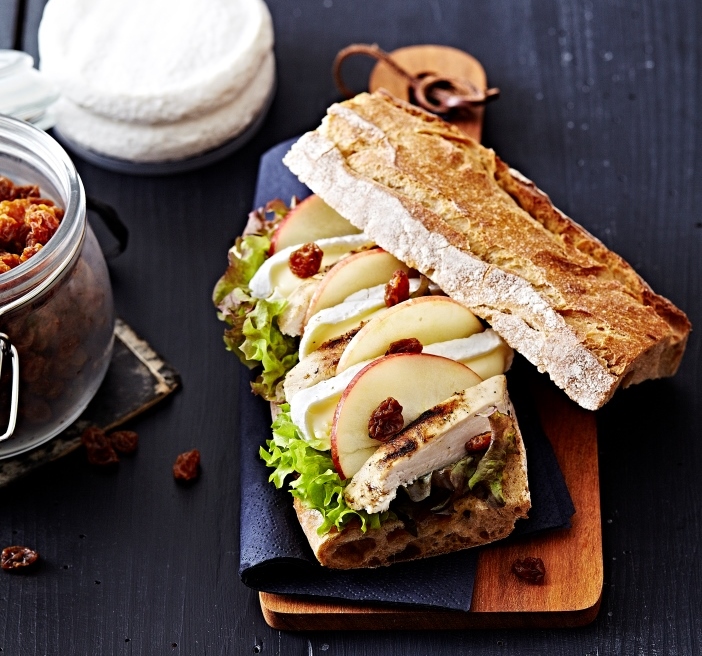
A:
{"points": [[313, 479], [492, 465], [253, 333]]}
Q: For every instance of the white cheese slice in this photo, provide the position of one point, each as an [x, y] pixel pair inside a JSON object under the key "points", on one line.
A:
{"points": [[275, 272], [339, 319], [426, 445], [312, 409], [154, 61]]}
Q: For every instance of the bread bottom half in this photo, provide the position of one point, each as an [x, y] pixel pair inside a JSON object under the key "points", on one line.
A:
{"points": [[475, 522]]}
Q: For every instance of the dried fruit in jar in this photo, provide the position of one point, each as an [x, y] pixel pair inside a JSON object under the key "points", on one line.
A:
{"points": [[306, 260], [27, 222], [98, 448], [187, 466], [397, 289], [17, 558], [124, 441], [10, 191], [531, 570], [386, 420]]}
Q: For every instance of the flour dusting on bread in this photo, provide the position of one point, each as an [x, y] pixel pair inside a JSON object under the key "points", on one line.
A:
{"points": [[444, 204]]}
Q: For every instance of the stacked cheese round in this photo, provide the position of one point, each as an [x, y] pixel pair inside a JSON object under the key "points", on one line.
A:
{"points": [[158, 80]]}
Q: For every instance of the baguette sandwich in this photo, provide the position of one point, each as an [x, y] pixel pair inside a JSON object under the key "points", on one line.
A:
{"points": [[392, 426], [392, 422]]}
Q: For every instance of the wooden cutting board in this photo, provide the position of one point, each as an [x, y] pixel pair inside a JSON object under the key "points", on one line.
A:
{"points": [[571, 593]]}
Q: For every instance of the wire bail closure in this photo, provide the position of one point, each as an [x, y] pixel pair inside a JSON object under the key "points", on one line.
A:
{"points": [[7, 349], [436, 94]]}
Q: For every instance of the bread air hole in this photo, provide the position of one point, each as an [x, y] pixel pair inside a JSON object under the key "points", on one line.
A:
{"points": [[355, 552], [409, 552]]}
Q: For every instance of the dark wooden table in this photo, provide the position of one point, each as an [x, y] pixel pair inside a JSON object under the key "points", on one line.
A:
{"points": [[600, 107]]}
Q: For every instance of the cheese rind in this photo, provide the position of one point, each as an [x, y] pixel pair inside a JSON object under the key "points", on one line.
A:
{"points": [[157, 61], [184, 138]]}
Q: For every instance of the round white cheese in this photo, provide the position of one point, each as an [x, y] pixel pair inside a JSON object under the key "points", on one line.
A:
{"points": [[156, 61], [168, 141]]}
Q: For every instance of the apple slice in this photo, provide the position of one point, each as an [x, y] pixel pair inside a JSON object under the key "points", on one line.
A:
{"points": [[275, 272], [429, 319], [353, 273], [339, 319], [418, 381], [310, 220]]}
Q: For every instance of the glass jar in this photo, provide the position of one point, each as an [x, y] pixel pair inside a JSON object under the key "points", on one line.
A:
{"points": [[56, 308]]}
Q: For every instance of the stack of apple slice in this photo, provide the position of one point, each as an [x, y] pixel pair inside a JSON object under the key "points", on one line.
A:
{"points": [[457, 352]]}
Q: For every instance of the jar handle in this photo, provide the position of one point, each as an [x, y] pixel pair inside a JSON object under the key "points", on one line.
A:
{"points": [[112, 222], [6, 348]]}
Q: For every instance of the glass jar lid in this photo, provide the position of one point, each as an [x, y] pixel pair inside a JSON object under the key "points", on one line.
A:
{"points": [[24, 92]]}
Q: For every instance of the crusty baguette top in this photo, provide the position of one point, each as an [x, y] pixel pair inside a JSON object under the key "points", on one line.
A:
{"points": [[553, 291]]}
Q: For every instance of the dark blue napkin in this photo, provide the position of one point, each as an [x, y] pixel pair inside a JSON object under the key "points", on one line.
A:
{"points": [[275, 555]]}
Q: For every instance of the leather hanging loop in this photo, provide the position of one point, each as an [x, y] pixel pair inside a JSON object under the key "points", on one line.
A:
{"points": [[437, 94]]}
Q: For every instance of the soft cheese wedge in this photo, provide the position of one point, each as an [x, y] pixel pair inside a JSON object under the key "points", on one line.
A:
{"points": [[437, 439], [485, 353], [275, 274], [429, 319], [416, 380], [339, 319]]}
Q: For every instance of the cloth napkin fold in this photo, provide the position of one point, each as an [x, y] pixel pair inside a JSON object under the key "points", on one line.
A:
{"points": [[274, 553]]}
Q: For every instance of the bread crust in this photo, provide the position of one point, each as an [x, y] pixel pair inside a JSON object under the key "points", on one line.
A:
{"points": [[493, 241]]}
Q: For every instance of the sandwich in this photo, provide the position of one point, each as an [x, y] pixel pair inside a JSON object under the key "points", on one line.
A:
{"points": [[393, 428], [382, 312]]}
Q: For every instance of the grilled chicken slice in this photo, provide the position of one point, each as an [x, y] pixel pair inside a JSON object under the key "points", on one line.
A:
{"points": [[317, 366], [292, 319], [436, 439]]}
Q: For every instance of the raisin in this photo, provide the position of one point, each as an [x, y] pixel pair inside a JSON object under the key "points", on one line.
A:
{"points": [[409, 345], [17, 558], [478, 442], [98, 448], [386, 420], [530, 569], [187, 466], [124, 441], [397, 289], [306, 260]]}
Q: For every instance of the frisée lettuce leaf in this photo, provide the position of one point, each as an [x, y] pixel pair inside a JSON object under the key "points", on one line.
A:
{"points": [[313, 479], [253, 333]]}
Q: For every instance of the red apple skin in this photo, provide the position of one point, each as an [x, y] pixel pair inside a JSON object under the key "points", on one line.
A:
{"points": [[286, 218], [334, 437], [305, 206], [347, 261]]}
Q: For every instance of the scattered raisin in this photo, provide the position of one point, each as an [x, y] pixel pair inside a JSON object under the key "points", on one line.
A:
{"points": [[478, 442], [124, 441], [14, 558], [397, 290], [187, 466], [530, 569], [98, 447], [306, 260], [409, 345], [386, 420]]}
